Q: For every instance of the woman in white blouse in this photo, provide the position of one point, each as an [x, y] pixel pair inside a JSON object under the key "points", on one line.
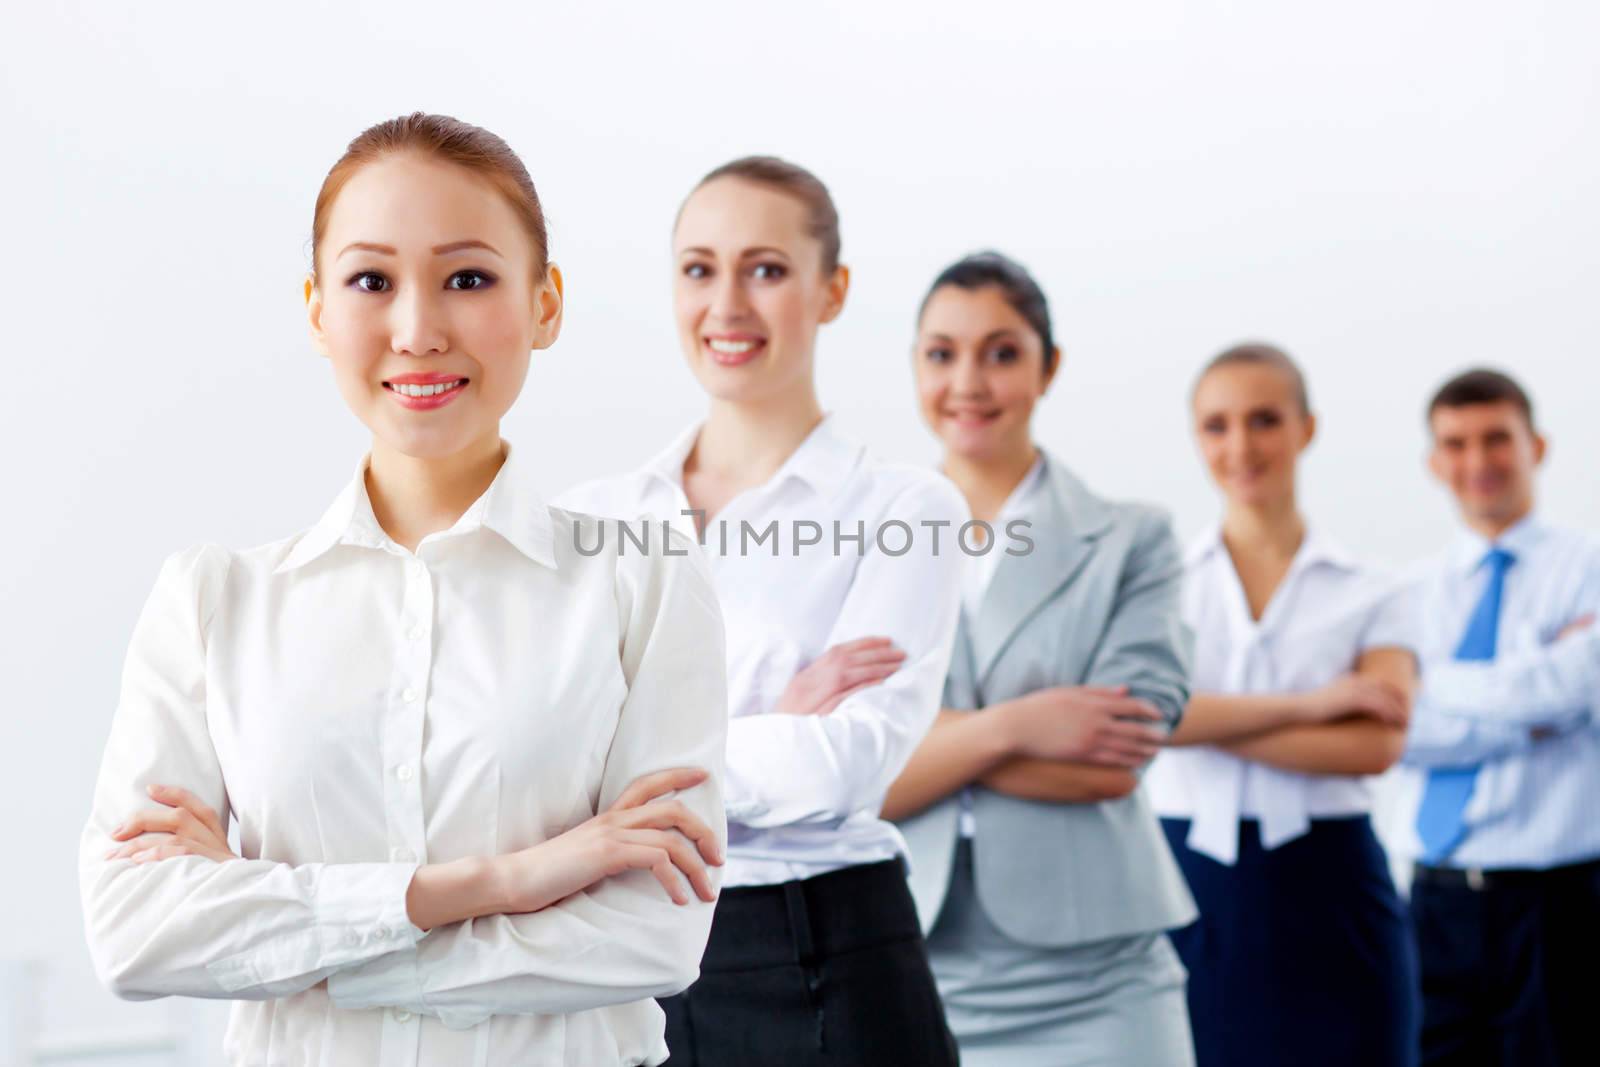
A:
{"points": [[1303, 679], [840, 583], [475, 772]]}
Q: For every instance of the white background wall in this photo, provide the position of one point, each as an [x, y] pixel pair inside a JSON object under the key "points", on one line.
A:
{"points": [[1392, 191]]}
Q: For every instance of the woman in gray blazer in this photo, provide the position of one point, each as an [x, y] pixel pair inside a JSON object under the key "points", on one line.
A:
{"points": [[1041, 876]]}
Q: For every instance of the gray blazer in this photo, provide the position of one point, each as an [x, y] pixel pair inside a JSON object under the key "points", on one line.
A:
{"points": [[1094, 603]]}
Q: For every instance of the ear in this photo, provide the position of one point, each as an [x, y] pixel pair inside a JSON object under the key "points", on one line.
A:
{"points": [[1311, 430], [1540, 446], [838, 288], [549, 301], [1050, 375], [313, 296], [1436, 464]]}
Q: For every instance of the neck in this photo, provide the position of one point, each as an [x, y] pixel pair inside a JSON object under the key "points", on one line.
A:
{"points": [[746, 443], [1491, 528], [986, 481], [413, 497], [1274, 527]]}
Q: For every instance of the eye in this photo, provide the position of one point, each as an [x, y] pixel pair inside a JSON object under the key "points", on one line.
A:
{"points": [[697, 271], [768, 272], [939, 355], [1265, 420], [1213, 426], [1004, 354], [369, 281], [469, 280]]}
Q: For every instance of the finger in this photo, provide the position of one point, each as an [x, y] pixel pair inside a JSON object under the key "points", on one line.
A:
{"points": [[151, 820], [1134, 752], [160, 852], [839, 698], [124, 851], [1098, 690], [667, 875], [648, 787], [1129, 708], [874, 656], [673, 815], [1134, 733], [682, 856], [844, 648], [851, 677], [183, 798], [1107, 757]]}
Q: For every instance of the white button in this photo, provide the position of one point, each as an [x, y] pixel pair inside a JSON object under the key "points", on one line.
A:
{"points": [[403, 772], [416, 633], [401, 855], [409, 696], [416, 568], [401, 1015]]}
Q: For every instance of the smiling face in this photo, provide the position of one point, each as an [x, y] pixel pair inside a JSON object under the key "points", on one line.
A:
{"points": [[428, 304], [980, 369], [1487, 455], [750, 291], [1251, 430]]}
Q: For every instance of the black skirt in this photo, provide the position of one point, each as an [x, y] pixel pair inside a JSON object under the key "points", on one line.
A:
{"points": [[1302, 954], [830, 970]]}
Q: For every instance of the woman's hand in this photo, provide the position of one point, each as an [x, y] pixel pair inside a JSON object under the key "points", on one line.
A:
{"points": [[1083, 724], [640, 831], [1354, 694], [845, 668], [186, 828]]}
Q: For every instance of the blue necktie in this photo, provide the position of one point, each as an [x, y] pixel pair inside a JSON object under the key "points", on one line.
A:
{"points": [[1444, 799]]}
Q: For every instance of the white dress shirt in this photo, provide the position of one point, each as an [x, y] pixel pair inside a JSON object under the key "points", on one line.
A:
{"points": [[980, 572], [804, 791], [360, 710], [1324, 614], [1527, 717]]}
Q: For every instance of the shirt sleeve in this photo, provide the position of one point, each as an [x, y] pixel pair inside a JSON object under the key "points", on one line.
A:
{"points": [[1146, 645], [794, 769], [622, 939], [1554, 687], [241, 929]]}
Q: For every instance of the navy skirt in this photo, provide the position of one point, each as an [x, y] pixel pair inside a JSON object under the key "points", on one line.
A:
{"points": [[1302, 954]]}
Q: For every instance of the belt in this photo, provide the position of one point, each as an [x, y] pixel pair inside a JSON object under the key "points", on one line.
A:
{"points": [[1479, 878], [847, 910]]}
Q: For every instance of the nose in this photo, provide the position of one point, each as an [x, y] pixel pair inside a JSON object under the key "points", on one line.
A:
{"points": [[416, 324], [966, 378], [1236, 445], [729, 303]]}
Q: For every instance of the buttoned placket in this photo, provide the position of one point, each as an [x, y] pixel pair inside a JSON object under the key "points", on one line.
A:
{"points": [[402, 753]]}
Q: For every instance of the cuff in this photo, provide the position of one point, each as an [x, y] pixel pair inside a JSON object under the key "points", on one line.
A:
{"points": [[358, 912]]}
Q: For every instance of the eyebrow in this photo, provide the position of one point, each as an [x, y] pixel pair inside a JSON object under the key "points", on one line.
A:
{"points": [[438, 250], [1004, 331], [761, 250]]}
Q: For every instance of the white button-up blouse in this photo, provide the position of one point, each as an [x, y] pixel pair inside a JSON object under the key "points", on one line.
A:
{"points": [[360, 709], [836, 545], [1322, 617]]}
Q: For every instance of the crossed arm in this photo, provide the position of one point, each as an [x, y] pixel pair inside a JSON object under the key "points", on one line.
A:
{"points": [[171, 910]]}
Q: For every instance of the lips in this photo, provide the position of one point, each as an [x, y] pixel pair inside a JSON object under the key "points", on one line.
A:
{"points": [[734, 349], [425, 392]]}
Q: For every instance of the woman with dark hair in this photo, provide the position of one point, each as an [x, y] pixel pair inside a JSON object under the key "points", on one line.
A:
{"points": [[1303, 678], [476, 774], [1039, 871], [841, 603]]}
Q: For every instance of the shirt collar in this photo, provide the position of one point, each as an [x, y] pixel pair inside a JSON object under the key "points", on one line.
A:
{"points": [[1316, 550], [1520, 539], [823, 460], [509, 507]]}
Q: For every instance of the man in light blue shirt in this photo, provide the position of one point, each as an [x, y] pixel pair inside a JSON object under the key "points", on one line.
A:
{"points": [[1504, 753]]}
